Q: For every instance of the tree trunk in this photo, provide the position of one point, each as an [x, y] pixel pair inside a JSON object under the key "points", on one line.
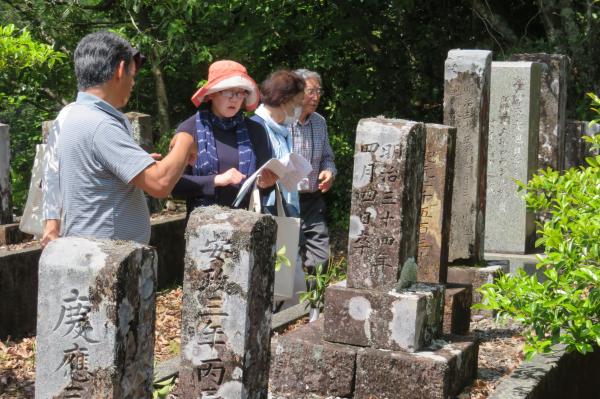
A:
{"points": [[161, 93]]}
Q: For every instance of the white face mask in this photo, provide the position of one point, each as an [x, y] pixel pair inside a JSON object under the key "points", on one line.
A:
{"points": [[293, 118]]}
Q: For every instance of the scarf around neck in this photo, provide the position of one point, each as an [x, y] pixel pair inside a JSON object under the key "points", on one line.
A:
{"points": [[208, 160]]}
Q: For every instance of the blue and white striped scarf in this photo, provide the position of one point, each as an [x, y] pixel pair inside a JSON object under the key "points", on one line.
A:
{"points": [[208, 160]]}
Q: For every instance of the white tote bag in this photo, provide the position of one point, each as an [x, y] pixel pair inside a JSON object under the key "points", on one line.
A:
{"points": [[32, 219], [288, 234]]}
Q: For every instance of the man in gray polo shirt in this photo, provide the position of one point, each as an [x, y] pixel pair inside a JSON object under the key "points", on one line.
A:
{"points": [[103, 172]]}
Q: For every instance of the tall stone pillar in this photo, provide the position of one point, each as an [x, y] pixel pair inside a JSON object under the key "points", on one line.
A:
{"points": [[436, 205], [96, 313], [6, 215], [386, 198], [227, 299], [553, 105], [466, 107], [512, 149]]}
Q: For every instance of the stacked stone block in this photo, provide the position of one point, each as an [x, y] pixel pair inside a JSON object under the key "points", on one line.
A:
{"points": [[380, 316]]}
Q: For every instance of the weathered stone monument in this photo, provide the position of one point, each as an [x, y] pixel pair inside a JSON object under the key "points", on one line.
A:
{"points": [[386, 196], [574, 144], [553, 103], [379, 317], [436, 205], [141, 125], [512, 155], [227, 299], [6, 215], [96, 312], [466, 107]]}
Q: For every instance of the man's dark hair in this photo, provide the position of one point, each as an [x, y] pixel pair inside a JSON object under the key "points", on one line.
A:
{"points": [[97, 57], [281, 87]]}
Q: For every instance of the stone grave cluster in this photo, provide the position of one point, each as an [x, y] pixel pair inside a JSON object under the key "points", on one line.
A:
{"points": [[418, 240]]}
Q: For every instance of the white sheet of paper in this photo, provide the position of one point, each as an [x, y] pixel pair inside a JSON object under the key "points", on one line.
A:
{"points": [[290, 170]]}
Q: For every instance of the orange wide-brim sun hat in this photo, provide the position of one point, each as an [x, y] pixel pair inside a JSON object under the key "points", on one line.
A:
{"points": [[224, 75]]}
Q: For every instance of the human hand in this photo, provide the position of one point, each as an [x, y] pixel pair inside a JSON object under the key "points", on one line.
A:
{"points": [[266, 178], [325, 180], [156, 156], [51, 231], [229, 178]]}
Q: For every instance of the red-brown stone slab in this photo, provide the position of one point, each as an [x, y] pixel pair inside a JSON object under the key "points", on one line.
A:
{"points": [[457, 309], [476, 277], [434, 228], [302, 365], [437, 374]]}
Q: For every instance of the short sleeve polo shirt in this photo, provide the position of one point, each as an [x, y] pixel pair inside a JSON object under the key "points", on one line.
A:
{"points": [[98, 158]]}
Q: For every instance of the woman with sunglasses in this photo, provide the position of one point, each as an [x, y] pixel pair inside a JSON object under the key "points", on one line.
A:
{"points": [[231, 147]]}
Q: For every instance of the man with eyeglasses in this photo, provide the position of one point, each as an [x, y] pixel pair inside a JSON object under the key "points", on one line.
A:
{"points": [[102, 172], [310, 139]]}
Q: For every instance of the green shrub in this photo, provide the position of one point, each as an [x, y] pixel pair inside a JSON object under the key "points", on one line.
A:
{"points": [[565, 308]]}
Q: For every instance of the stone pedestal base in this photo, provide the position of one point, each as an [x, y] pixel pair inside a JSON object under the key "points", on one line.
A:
{"points": [[476, 276], [457, 309], [527, 262], [10, 234], [406, 320], [436, 373], [303, 365]]}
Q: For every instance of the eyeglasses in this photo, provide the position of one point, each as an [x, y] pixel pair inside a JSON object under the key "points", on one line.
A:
{"points": [[314, 92], [230, 94]]}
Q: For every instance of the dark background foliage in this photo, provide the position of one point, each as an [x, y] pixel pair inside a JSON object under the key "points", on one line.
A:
{"points": [[376, 57]]}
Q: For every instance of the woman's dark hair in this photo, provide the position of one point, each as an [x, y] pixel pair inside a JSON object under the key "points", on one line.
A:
{"points": [[280, 87]]}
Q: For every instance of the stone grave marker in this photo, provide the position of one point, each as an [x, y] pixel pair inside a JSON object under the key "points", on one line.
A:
{"points": [[553, 103], [466, 107], [574, 144], [96, 313], [434, 228], [6, 215], [227, 299], [512, 154], [141, 125], [386, 197]]}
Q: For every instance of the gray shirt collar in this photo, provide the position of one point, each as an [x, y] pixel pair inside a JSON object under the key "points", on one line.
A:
{"points": [[84, 98]]}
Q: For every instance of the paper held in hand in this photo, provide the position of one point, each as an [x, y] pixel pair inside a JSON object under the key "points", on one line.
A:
{"points": [[290, 170]]}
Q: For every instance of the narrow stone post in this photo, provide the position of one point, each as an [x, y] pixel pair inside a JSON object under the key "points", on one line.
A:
{"points": [[227, 299], [434, 228], [142, 129], [512, 149], [6, 215], [96, 311], [553, 107], [141, 126], [574, 144], [466, 107], [386, 199]]}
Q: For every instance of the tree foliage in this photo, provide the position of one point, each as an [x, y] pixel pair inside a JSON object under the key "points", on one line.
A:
{"points": [[565, 308], [377, 57]]}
